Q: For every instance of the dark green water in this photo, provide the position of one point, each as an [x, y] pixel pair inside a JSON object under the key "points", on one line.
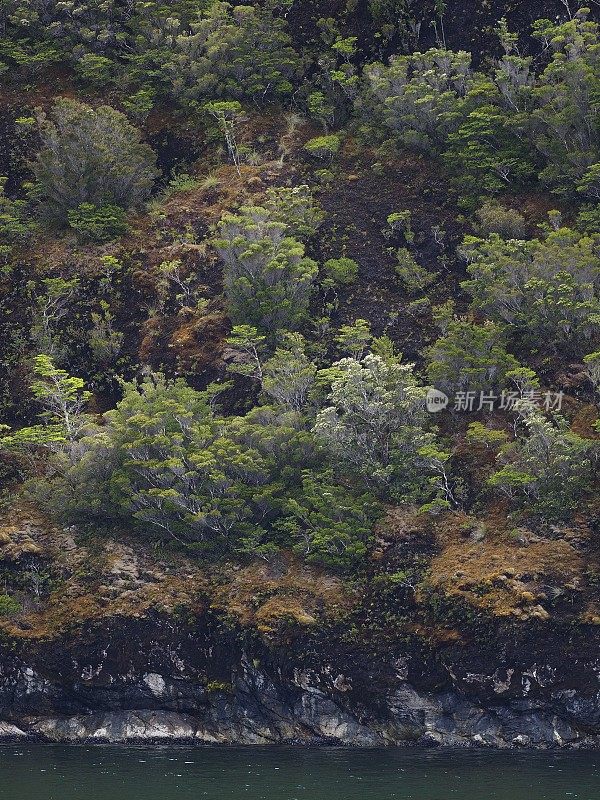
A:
{"points": [[46, 772]]}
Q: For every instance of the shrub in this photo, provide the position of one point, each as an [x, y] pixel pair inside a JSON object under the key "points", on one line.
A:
{"points": [[234, 51], [506, 222], [469, 358], [323, 146], [91, 156], [8, 605], [414, 278], [97, 223], [341, 270], [548, 468], [268, 279]]}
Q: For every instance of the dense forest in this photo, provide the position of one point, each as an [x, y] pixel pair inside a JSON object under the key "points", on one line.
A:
{"points": [[301, 286]]}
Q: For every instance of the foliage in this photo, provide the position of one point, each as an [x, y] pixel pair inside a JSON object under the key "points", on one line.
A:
{"points": [[233, 52], [328, 524], [289, 374], [98, 223], [543, 287], [469, 358], [548, 469], [8, 605], [91, 156], [413, 276], [268, 279], [374, 425], [16, 224], [62, 398], [324, 147], [342, 271], [495, 218]]}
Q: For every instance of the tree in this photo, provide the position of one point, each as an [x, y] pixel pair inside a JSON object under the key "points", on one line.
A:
{"points": [[419, 97], [289, 374], [91, 156], [548, 469], [469, 358], [296, 208], [16, 224], [565, 96], [228, 114], [234, 52], [542, 287], [375, 422], [251, 345], [52, 301], [268, 279], [354, 339], [328, 524], [342, 271], [62, 398]]}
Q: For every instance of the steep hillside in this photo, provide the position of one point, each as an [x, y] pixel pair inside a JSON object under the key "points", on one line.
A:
{"points": [[300, 346]]}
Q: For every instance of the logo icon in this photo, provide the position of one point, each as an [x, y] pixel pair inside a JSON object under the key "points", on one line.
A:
{"points": [[436, 401]]}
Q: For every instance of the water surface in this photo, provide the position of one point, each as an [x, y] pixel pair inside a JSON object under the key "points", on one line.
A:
{"points": [[49, 772]]}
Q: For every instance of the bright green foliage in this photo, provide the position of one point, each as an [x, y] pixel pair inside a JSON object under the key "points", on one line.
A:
{"points": [[91, 156], [52, 301], [62, 398], [354, 340], [490, 438], [289, 374], [233, 52], [327, 523], [177, 473], [268, 279], [94, 69], [321, 109], [402, 221], [98, 223], [342, 271], [484, 153], [469, 358], [548, 469], [296, 208], [544, 287], [373, 426], [249, 484], [104, 339], [323, 146], [413, 276]]}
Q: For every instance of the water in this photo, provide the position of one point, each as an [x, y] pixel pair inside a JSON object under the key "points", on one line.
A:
{"points": [[48, 772]]}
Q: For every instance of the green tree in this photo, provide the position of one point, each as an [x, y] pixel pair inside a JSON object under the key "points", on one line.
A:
{"points": [[547, 470], [328, 524], [374, 424], [289, 374], [469, 358], [268, 279], [542, 287], [91, 156], [234, 52]]}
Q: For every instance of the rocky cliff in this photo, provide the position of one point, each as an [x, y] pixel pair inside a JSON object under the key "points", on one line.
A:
{"points": [[131, 647]]}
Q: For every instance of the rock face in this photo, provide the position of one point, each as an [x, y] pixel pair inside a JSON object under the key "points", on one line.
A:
{"points": [[154, 680]]}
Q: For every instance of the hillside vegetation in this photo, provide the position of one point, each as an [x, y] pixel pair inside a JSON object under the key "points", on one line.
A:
{"points": [[243, 249]]}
